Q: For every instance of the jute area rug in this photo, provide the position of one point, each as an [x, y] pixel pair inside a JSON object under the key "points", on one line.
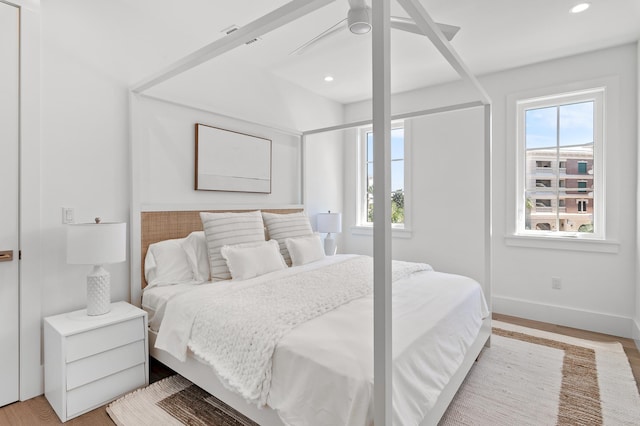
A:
{"points": [[527, 377]]}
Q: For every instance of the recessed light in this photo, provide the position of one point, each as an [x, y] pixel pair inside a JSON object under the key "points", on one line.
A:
{"points": [[580, 7], [328, 78]]}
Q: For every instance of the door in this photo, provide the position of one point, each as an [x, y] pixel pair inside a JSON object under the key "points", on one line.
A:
{"points": [[9, 172]]}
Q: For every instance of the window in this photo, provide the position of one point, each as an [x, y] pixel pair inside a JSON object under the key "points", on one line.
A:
{"points": [[582, 186], [582, 206], [398, 184], [560, 165], [582, 167]]}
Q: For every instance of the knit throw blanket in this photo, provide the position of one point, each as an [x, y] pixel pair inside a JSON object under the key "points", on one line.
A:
{"points": [[237, 333]]}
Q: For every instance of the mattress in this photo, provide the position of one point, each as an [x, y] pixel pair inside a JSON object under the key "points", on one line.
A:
{"points": [[322, 370]]}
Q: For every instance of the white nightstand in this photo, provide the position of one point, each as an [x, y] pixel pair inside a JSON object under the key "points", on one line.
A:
{"points": [[91, 360]]}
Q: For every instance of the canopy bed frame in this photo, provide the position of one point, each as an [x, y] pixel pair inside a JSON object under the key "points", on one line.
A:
{"points": [[381, 120]]}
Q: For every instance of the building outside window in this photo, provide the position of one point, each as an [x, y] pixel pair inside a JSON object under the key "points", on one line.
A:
{"points": [[560, 165], [398, 165]]}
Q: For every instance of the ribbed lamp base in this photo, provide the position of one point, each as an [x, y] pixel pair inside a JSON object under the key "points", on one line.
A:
{"points": [[330, 246], [98, 291]]}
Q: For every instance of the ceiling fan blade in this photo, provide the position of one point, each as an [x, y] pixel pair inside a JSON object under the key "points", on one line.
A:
{"points": [[340, 26], [406, 24]]}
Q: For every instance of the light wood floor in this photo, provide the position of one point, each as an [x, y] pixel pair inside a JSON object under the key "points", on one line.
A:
{"points": [[37, 411]]}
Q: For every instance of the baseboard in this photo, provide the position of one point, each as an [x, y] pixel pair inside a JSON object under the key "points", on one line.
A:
{"points": [[570, 317], [636, 333]]}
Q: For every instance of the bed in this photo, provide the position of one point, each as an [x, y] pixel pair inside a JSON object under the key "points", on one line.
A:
{"points": [[381, 117], [318, 375]]}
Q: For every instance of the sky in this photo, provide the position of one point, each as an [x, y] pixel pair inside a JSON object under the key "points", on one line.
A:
{"points": [[575, 122]]}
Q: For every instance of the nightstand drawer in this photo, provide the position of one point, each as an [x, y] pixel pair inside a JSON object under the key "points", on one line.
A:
{"points": [[95, 367], [101, 339], [96, 393]]}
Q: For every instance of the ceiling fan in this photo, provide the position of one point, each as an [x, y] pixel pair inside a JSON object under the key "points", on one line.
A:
{"points": [[358, 21]]}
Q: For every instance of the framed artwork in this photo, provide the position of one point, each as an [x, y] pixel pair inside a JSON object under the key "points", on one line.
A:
{"points": [[231, 161]]}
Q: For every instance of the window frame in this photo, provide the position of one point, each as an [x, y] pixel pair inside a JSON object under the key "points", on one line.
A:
{"points": [[362, 226], [595, 94]]}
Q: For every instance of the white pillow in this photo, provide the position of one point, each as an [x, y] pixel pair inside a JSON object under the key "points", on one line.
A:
{"points": [[222, 229], [305, 249], [195, 246], [253, 259], [283, 226], [166, 263]]}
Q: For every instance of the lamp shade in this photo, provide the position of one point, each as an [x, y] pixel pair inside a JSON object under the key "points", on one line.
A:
{"points": [[329, 222], [96, 243]]}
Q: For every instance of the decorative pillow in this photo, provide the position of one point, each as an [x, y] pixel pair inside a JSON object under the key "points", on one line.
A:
{"points": [[253, 259], [283, 226], [166, 263], [195, 246], [221, 229], [305, 250]]}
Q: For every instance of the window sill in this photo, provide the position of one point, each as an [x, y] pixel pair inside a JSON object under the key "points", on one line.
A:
{"points": [[368, 230], [563, 243]]}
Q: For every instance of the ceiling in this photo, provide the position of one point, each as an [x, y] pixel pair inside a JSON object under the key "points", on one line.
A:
{"points": [[494, 35]]}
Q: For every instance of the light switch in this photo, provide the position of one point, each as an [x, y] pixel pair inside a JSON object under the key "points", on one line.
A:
{"points": [[68, 215]]}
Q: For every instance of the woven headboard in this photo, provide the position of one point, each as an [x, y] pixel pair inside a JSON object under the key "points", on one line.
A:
{"points": [[166, 225]]}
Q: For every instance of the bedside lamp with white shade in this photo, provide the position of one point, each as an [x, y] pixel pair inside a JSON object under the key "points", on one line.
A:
{"points": [[331, 223], [97, 244]]}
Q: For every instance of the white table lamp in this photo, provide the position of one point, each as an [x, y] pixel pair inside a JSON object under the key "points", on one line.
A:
{"points": [[330, 223], [97, 244]]}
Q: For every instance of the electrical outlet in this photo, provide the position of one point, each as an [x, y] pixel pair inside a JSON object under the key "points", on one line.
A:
{"points": [[556, 283], [68, 215]]}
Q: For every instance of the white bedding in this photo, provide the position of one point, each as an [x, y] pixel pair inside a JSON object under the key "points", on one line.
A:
{"points": [[154, 300], [324, 377]]}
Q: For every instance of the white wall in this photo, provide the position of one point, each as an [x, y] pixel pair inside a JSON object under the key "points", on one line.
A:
{"points": [[84, 142], [598, 288], [324, 179], [167, 158]]}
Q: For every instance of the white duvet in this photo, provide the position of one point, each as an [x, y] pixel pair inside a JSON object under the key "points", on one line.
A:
{"points": [[320, 372]]}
